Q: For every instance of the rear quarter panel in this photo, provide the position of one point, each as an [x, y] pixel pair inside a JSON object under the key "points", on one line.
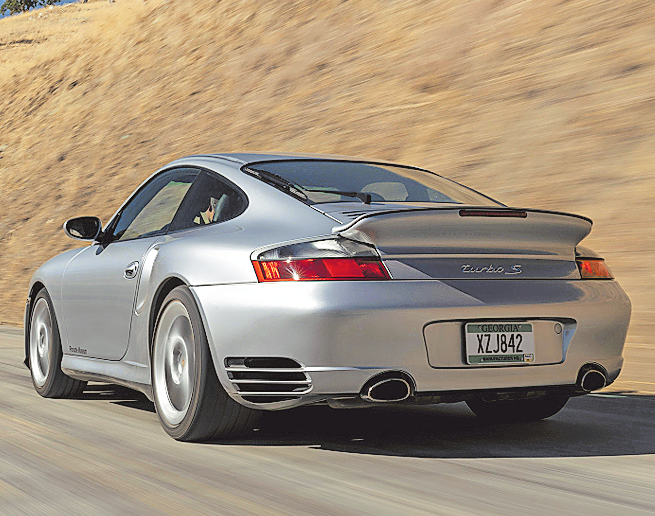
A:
{"points": [[220, 254]]}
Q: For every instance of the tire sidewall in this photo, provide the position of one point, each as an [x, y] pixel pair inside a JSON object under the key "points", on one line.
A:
{"points": [[201, 366], [55, 353]]}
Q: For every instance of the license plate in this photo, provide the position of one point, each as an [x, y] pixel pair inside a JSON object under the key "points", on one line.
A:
{"points": [[499, 343]]}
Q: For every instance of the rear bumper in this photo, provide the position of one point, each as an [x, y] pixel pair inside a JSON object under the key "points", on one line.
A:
{"points": [[343, 333]]}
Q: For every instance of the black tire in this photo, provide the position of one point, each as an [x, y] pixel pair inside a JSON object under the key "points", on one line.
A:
{"points": [[533, 409], [45, 352], [191, 403]]}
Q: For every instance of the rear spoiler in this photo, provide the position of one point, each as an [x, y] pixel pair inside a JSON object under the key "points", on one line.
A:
{"points": [[471, 211]]}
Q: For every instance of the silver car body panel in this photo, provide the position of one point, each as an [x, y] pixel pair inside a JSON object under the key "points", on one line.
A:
{"points": [[352, 331], [97, 299], [343, 333]]}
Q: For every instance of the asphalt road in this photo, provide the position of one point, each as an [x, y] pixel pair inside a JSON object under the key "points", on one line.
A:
{"points": [[106, 454]]}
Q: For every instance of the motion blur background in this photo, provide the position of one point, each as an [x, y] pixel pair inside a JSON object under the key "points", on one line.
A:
{"points": [[543, 103]]}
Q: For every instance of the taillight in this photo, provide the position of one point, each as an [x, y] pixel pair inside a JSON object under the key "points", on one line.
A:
{"points": [[331, 259], [320, 269], [593, 268]]}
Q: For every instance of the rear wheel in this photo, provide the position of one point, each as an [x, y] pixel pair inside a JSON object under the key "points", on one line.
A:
{"points": [[514, 411], [191, 402], [46, 354]]}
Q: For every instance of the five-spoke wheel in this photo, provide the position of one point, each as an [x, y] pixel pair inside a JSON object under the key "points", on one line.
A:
{"points": [[191, 403], [173, 362], [45, 352]]}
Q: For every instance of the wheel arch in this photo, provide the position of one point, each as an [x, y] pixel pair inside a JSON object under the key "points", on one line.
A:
{"points": [[36, 287], [162, 291], [164, 288]]}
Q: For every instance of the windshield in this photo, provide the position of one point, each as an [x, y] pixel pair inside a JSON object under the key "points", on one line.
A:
{"points": [[322, 181]]}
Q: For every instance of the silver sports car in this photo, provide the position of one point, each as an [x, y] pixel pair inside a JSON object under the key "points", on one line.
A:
{"points": [[235, 283]]}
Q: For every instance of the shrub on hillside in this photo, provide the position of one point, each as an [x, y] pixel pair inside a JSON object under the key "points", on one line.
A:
{"points": [[20, 6]]}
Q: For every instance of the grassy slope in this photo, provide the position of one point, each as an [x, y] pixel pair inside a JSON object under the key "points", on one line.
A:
{"points": [[547, 104]]}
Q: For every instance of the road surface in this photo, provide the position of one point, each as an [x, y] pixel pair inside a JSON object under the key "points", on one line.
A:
{"points": [[105, 453]]}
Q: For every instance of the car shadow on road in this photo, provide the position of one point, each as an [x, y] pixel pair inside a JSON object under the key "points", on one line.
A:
{"points": [[118, 395], [607, 424], [597, 425]]}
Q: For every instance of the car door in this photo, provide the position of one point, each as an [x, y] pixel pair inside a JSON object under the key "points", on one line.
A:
{"points": [[100, 283]]}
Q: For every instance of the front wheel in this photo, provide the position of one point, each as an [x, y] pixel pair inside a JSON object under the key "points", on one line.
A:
{"points": [[46, 354], [533, 409], [190, 401]]}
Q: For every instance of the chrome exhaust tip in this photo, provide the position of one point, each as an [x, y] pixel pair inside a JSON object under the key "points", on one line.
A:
{"points": [[387, 390], [592, 380]]}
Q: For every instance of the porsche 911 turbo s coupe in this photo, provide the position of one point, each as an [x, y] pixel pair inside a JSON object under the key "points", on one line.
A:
{"points": [[235, 283]]}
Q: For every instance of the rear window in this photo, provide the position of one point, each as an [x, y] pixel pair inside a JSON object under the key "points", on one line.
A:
{"points": [[384, 183]]}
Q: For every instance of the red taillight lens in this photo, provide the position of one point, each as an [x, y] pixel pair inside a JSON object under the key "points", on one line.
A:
{"points": [[593, 269], [313, 269]]}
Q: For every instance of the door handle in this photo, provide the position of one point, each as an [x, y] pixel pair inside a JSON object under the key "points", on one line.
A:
{"points": [[131, 270]]}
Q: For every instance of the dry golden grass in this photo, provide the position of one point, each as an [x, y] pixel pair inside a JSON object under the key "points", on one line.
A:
{"points": [[546, 104]]}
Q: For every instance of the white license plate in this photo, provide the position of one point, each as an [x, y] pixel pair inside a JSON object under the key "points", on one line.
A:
{"points": [[499, 343]]}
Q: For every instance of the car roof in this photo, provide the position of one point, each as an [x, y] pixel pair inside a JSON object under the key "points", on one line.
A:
{"points": [[246, 158]]}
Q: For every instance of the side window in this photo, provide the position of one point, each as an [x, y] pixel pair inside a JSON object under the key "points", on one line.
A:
{"points": [[211, 200], [151, 210]]}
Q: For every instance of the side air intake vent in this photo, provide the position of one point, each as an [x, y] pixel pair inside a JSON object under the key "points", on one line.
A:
{"points": [[267, 379]]}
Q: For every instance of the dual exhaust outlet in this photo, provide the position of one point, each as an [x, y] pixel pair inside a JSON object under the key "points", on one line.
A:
{"points": [[398, 386]]}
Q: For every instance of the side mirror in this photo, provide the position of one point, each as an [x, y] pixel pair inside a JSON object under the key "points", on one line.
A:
{"points": [[83, 228]]}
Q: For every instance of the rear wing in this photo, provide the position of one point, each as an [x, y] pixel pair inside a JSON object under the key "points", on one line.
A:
{"points": [[470, 230]]}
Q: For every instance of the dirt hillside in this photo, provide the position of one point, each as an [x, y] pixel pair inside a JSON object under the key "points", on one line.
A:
{"points": [[546, 104]]}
